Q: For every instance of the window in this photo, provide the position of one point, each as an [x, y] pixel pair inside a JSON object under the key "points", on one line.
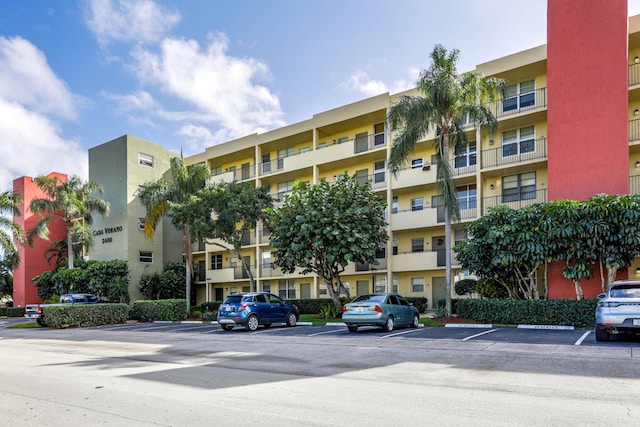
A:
{"points": [[378, 134], [266, 286], [362, 176], [519, 95], [141, 222], [216, 262], [145, 257], [417, 244], [379, 169], [343, 140], [246, 171], [417, 204], [519, 187], [287, 289], [304, 150], [518, 141], [394, 205], [217, 170], [266, 259], [459, 235], [465, 156], [322, 145], [416, 163], [266, 163], [417, 284], [284, 188], [282, 154], [466, 195], [145, 159]]}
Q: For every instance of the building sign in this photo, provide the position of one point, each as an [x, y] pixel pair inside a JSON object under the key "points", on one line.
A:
{"points": [[107, 230]]}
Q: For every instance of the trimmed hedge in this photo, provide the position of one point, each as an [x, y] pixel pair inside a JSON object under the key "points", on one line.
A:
{"points": [[12, 311], [421, 303], [84, 315], [565, 312], [173, 310]]}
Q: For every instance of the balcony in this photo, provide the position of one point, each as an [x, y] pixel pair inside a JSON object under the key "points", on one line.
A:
{"points": [[378, 180], [410, 219], [526, 199], [634, 130], [634, 184], [410, 177], [522, 103], [415, 261], [502, 156], [369, 142], [634, 74]]}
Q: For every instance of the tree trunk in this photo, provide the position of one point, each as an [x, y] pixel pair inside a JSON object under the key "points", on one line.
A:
{"points": [[447, 232], [579, 293], [611, 276], [335, 297], [69, 248], [188, 253]]}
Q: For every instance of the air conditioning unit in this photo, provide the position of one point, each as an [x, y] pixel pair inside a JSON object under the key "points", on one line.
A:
{"points": [[426, 167]]}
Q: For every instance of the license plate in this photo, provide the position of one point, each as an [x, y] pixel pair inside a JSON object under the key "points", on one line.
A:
{"points": [[359, 310], [228, 309], [636, 322], [32, 315]]}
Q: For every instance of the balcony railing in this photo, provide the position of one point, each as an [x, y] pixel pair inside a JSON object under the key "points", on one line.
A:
{"points": [[377, 179], [369, 142], [634, 130], [520, 103], [634, 74], [634, 184], [496, 156], [242, 174], [525, 199]]}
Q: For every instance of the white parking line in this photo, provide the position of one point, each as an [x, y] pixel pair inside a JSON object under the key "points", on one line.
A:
{"points": [[408, 331], [480, 334], [585, 335], [326, 332]]}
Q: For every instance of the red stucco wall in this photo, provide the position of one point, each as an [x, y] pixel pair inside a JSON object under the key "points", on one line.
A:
{"points": [[32, 260], [588, 98], [587, 45]]}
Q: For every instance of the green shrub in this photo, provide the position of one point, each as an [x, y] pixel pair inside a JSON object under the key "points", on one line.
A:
{"points": [[84, 315], [488, 288], [311, 306], [173, 310], [210, 306], [421, 303], [465, 286], [578, 313], [443, 302], [328, 312], [209, 316], [15, 312]]}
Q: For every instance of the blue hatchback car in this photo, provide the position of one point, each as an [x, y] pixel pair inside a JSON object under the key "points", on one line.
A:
{"points": [[252, 309]]}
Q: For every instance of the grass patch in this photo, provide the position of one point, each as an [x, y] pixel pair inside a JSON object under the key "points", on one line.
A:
{"points": [[23, 325], [316, 320], [427, 321]]}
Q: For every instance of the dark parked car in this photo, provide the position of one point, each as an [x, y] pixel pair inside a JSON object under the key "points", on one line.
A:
{"points": [[618, 310], [35, 311], [256, 308], [384, 310]]}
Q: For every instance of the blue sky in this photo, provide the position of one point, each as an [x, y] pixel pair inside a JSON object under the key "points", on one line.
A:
{"points": [[189, 74]]}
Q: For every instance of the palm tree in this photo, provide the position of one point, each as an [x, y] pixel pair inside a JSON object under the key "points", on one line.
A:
{"points": [[9, 230], [160, 196], [446, 99], [71, 202]]}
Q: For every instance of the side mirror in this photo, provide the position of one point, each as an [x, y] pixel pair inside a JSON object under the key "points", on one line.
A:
{"points": [[600, 296]]}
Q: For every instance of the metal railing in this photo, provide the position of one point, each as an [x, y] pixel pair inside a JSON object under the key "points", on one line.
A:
{"points": [[634, 74], [495, 156], [634, 130], [525, 199], [370, 142]]}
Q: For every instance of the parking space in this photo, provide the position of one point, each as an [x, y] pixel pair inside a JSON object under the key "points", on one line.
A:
{"points": [[577, 337]]}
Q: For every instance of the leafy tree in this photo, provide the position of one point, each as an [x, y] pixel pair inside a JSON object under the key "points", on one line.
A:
{"points": [[445, 100], [7, 265], [322, 228], [71, 202], [8, 228], [168, 285], [237, 208], [508, 248], [465, 286], [162, 197]]}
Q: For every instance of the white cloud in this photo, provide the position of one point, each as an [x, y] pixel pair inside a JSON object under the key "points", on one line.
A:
{"points": [[138, 21], [360, 82], [32, 146], [25, 78], [30, 94], [220, 88]]}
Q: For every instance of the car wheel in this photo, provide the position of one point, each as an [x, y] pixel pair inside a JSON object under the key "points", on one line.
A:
{"points": [[352, 328], [292, 319], [601, 334], [388, 326], [41, 322], [416, 321], [226, 327], [252, 323], [267, 325]]}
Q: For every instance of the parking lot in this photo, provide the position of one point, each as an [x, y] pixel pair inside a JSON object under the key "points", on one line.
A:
{"points": [[461, 333]]}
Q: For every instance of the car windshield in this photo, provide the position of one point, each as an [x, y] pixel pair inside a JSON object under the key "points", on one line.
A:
{"points": [[233, 299], [369, 298], [626, 292]]}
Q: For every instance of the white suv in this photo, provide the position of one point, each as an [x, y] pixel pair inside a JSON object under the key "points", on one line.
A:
{"points": [[618, 310]]}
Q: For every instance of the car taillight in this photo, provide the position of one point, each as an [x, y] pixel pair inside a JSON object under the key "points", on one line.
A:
{"points": [[344, 309], [377, 309], [39, 309], [243, 306], [608, 304]]}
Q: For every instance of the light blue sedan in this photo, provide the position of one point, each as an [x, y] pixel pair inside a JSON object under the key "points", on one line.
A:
{"points": [[384, 310]]}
